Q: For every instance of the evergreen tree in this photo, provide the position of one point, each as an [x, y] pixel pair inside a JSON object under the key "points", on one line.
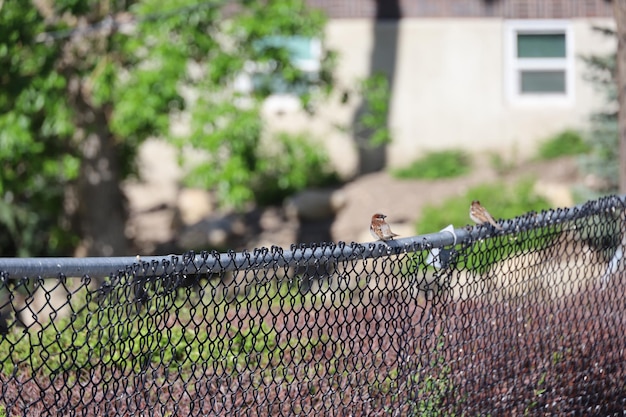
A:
{"points": [[602, 137]]}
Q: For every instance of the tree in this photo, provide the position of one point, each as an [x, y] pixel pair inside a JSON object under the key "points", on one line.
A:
{"points": [[87, 81], [619, 8], [36, 156], [602, 160]]}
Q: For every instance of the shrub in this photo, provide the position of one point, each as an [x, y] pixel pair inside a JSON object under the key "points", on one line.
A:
{"points": [[602, 161], [501, 200], [293, 163], [102, 335], [372, 122], [434, 165], [568, 142]]}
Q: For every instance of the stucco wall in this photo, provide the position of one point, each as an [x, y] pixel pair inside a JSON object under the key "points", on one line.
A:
{"points": [[448, 88]]}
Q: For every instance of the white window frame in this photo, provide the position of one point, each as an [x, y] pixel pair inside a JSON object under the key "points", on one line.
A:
{"points": [[243, 82], [313, 64], [280, 102], [513, 66]]}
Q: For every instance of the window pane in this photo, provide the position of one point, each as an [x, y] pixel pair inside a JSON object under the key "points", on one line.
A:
{"points": [[299, 47], [541, 45], [542, 82]]}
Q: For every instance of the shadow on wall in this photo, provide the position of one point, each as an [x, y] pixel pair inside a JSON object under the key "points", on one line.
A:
{"points": [[382, 60]]}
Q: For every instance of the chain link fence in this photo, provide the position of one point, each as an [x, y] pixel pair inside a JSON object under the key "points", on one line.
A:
{"points": [[475, 321]]}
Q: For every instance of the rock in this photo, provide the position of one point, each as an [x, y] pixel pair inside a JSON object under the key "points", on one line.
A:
{"points": [[193, 205], [219, 232], [597, 183], [338, 200], [271, 219], [275, 228], [558, 195], [315, 204]]}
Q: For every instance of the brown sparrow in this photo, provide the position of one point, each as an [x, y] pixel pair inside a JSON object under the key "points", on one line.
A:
{"points": [[379, 228], [480, 215]]}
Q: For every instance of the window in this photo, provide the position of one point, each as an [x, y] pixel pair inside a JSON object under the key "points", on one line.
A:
{"points": [[538, 62], [305, 54]]}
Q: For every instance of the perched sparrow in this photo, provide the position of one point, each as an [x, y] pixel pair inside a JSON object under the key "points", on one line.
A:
{"points": [[479, 215], [379, 228]]}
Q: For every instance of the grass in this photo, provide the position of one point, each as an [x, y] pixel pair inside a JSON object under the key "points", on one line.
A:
{"points": [[169, 334], [436, 165], [568, 142], [503, 202], [482, 255], [189, 331], [434, 387]]}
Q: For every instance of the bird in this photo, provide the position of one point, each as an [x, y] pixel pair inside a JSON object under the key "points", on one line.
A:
{"points": [[379, 228], [480, 215]]}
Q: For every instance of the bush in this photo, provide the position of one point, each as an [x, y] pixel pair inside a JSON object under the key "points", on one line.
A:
{"points": [[568, 142], [434, 165], [269, 172], [602, 161], [372, 122], [293, 164], [501, 200], [113, 335]]}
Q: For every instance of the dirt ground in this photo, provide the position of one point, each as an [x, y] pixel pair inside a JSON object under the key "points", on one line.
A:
{"points": [[155, 228], [402, 200]]}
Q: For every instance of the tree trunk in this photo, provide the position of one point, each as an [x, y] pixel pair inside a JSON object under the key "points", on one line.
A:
{"points": [[102, 213], [96, 205], [101, 202], [620, 19]]}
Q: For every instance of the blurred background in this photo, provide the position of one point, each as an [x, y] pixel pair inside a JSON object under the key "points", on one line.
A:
{"points": [[142, 127]]}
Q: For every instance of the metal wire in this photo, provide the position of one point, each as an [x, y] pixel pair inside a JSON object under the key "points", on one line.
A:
{"points": [[528, 320]]}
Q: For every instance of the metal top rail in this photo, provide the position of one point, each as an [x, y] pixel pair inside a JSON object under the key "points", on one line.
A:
{"points": [[266, 258]]}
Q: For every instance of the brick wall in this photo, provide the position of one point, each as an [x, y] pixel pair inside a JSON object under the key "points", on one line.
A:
{"points": [[509, 9]]}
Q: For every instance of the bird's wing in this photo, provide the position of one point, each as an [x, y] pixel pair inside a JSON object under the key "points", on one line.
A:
{"points": [[387, 230], [491, 219]]}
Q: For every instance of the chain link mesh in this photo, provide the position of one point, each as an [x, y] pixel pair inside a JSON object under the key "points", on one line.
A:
{"points": [[529, 321]]}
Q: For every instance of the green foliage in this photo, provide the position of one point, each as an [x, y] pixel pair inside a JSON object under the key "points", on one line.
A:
{"points": [[502, 201], [291, 164], [264, 173], [372, 122], [182, 56], [602, 160], [434, 165], [171, 332], [226, 124], [568, 142], [79, 342], [231, 177], [433, 388], [482, 255], [36, 159]]}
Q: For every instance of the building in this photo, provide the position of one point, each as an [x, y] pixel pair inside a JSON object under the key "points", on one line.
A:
{"points": [[497, 75]]}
